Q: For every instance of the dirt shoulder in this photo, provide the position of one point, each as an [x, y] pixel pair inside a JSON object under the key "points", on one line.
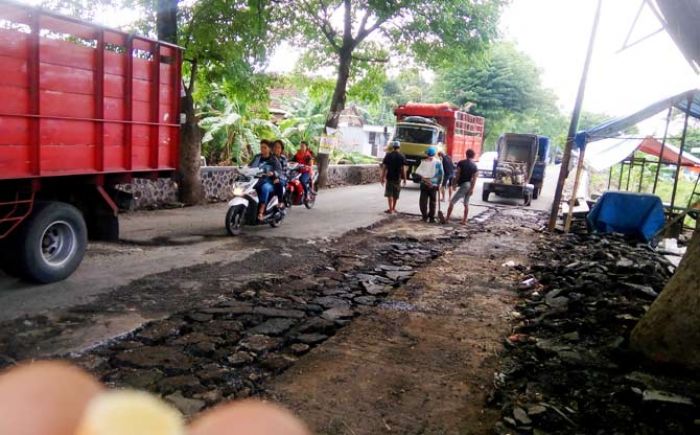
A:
{"points": [[423, 361]]}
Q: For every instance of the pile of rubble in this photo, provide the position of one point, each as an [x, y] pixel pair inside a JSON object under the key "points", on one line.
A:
{"points": [[568, 368], [198, 358]]}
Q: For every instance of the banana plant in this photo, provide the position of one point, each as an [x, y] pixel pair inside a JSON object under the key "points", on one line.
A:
{"points": [[306, 120], [232, 131]]}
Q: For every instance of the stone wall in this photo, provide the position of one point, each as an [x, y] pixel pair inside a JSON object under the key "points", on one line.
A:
{"points": [[217, 182]]}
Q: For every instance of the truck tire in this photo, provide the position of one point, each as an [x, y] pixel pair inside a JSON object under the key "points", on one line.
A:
{"points": [[485, 196], [527, 198], [536, 192], [51, 243]]}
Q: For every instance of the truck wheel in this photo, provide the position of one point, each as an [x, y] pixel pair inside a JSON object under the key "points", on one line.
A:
{"points": [[52, 242], [536, 192], [527, 199], [485, 196], [234, 220]]}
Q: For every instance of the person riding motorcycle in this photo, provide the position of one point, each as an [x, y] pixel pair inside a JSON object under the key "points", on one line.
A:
{"points": [[305, 157], [272, 168], [281, 182]]}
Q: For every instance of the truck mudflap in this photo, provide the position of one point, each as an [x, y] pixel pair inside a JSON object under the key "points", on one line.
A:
{"points": [[13, 212]]}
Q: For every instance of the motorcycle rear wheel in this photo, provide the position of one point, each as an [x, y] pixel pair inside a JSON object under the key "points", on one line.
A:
{"points": [[276, 220], [234, 220], [310, 200]]}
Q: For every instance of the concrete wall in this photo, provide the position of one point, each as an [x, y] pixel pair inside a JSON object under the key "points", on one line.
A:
{"points": [[218, 181]]}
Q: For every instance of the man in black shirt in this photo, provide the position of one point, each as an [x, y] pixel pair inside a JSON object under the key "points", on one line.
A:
{"points": [[449, 169], [393, 171], [466, 180]]}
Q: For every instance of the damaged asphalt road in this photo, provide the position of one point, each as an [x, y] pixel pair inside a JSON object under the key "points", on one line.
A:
{"points": [[399, 327], [205, 334]]}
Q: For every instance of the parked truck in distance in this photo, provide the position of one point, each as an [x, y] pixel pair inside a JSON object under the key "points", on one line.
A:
{"points": [[444, 126], [519, 168], [84, 108]]}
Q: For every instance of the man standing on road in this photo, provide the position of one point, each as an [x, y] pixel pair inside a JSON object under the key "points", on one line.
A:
{"points": [[449, 169], [466, 179], [393, 171], [430, 171]]}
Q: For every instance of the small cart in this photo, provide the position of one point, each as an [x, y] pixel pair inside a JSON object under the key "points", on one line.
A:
{"points": [[513, 169]]}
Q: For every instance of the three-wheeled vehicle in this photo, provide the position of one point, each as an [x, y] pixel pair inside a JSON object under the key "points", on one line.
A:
{"points": [[512, 174]]}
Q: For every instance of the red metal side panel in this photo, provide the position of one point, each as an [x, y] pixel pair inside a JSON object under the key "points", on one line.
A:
{"points": [[81, 99]]}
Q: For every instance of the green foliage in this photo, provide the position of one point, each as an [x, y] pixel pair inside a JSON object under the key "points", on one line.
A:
{"points": [[433, 32], [692, 139], [232, 130], [353, 158], [306, 119], [506, 89]]}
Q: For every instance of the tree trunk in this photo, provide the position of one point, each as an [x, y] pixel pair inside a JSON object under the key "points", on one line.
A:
{"points": [[337, 106], [189, 180], [670, 331], [191, 191]]}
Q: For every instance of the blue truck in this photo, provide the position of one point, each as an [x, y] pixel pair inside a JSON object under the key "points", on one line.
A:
{"points": [[519, 169]]}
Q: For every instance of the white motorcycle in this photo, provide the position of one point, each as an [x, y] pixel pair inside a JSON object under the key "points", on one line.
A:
{"points": [[243, 208]]}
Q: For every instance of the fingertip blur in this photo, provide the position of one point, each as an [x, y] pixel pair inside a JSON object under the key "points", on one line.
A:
{"points": [[44, 398], [249, 417]]}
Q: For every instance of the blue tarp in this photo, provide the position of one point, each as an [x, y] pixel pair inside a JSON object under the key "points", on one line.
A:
{"points": [[688, 101], [638, 214]]}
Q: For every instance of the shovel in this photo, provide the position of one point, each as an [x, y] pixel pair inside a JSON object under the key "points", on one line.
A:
{"points": [[441, 215]]}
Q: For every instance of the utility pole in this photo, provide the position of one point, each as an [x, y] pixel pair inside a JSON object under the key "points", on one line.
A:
{"points": [[566, 158]]}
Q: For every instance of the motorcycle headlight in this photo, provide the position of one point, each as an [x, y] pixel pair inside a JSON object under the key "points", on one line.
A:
{"points": [[237, 191]]}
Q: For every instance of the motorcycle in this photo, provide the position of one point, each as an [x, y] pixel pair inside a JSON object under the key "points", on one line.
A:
{"points": [[243, 208], [295, 194]]}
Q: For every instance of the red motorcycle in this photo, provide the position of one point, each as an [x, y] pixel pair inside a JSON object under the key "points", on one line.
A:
{"points": [[295, 194]]}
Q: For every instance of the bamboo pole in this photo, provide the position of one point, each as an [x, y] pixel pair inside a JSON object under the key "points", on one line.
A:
{"points": [[573, 126]]}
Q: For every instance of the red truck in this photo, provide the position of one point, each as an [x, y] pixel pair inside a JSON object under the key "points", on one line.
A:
{"points": [[84, 108], [421, 125]]}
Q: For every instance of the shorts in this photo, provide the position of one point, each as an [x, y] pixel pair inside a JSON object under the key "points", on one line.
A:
{"points": [[392, 189], [446, 181], [462, 193]]}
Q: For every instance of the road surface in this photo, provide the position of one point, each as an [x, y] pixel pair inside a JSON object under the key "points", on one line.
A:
{"points": [[164, 240]]}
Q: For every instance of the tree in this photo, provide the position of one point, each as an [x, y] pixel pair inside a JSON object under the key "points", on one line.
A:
{"points": [[222, 39], [670, 331], [432, 31], [505, 88], [190, 184]]}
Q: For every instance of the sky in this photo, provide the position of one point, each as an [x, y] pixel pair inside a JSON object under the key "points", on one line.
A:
{"points": [[555, 34]]}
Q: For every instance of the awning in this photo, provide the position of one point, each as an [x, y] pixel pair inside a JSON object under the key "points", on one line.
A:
{"points": [[605, 153], [652, 146], [687, 102]]}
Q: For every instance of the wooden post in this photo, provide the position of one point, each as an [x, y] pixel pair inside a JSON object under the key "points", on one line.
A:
{"points": [[663, 148], [680, 154], [572, 200]]}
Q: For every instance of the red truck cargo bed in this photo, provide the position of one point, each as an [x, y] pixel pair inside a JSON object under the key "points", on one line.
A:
{"points": [[81, 99]]}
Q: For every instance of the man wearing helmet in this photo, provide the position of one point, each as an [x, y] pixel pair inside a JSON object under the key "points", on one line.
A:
{"points": [[431, 172]]}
